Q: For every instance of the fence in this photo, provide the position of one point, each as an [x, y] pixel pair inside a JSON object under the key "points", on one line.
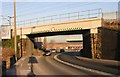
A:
{"points": [[110, 15], [112, 20], [62, 17]]}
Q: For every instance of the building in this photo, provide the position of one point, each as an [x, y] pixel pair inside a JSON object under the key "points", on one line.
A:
{"points": [[69, 46]]}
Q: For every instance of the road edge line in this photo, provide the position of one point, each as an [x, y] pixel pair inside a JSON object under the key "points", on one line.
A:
{"points": [[82, 68]]}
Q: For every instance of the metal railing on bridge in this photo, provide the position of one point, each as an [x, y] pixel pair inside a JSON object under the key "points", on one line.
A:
{"points": [[62, 17]]}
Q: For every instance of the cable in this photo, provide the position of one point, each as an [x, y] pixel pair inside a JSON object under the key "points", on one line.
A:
{"points": [[7, 4], [26, 11], [55, 9], [42, 11], [30, 7], [96, 10], [35, 18], [47, 9]]}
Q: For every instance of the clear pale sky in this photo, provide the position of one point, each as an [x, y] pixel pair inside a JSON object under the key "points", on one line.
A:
{"points": [[28, 9]]}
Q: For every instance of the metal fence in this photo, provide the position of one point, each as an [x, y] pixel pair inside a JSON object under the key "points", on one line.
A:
{"points": [[111, 15], [62, 17], [111, 20]]}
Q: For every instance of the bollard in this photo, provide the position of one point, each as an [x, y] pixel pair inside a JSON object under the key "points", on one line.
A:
{"points": [[3, 68], [12, 61]]}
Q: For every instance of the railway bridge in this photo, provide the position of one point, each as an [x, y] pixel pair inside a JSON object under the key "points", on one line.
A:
{"points": [[100, 35]]}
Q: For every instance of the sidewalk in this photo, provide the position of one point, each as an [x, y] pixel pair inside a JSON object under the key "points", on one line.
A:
{"points": [[101, 61], [12, 71]]}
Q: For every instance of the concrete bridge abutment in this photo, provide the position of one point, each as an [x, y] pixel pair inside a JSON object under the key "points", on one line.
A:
{"points": [[91, 44], [105, 44], [109, 40]]}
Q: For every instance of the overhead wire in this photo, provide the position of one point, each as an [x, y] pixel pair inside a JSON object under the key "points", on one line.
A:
{"points": [[53, 9], [41, 17], [45, 9], [8, 12], [49, 8]]}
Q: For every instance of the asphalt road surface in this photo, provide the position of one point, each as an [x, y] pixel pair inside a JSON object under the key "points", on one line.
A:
{"points": [[44, 65]]}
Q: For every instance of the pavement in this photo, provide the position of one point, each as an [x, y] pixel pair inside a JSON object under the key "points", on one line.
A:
{"points": [[47, 65], [12, 70], [43, 65], [112, 64], [100, 61], [100, 65]]}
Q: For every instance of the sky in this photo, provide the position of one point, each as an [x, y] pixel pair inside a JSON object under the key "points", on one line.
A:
{"points": [[28, 9], [31, 10], [62, 0]]}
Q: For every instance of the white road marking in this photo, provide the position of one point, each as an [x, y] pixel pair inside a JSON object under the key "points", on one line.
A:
{"points": [[82, 68]]}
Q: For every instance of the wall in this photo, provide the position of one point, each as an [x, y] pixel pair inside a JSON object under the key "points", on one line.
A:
{"points": [[87, 51], [110, 42]]}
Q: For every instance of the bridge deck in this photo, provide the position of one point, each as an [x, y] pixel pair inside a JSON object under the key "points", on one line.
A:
{"points": [[62, 26]]}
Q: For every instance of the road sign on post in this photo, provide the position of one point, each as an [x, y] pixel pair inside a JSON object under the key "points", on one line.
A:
{"points": [[6, 31]]}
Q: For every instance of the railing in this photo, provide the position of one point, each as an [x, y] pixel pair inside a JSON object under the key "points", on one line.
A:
{"points": [[62, 17]]}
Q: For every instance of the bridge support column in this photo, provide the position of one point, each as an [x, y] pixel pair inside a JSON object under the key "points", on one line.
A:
{"points": [[87, 44], [91, 43], [95, 43]]}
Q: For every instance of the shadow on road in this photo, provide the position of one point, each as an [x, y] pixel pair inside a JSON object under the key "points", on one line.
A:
{"points": [[32, 60], [71, 53]]}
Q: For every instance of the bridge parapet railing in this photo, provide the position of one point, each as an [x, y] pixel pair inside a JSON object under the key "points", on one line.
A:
{"points": [[61, 17], [111, 20]]}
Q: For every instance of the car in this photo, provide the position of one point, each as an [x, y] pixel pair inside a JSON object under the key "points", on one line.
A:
{"points": [[53, 50], [43, 54], [47, 50], [46, 53], [62, 50]]}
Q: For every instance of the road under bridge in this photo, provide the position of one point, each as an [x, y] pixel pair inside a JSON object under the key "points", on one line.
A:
{"points": [[100, 36]]}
